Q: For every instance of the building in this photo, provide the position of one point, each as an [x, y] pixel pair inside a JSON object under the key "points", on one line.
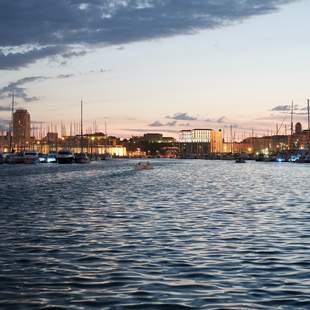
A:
{"points": [[185, 136], [199, 143], [201, 135], [21, 128], [153, 137], [216, 141]]}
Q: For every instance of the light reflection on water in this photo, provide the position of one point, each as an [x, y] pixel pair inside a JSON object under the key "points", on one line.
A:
{"points": [[186, 235]]}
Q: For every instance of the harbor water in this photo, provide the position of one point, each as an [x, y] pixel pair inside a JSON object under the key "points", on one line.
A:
{"points": [[186, 235]]}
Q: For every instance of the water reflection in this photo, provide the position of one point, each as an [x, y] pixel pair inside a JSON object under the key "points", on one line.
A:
{"points": [[186, 235]]}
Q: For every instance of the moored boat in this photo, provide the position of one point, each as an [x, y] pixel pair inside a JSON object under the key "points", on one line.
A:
{"points": [[31, 157], [82, 158], [51, 157], [65, 157], [14, 158]]}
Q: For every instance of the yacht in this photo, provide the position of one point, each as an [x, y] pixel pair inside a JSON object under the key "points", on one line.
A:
{"points": [[51, 157], [42, 158], [14, 158], [82, 158], [31, 157], [65, 157]]}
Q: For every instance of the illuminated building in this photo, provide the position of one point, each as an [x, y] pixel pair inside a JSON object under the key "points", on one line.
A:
{"points": [[201, 135], [198, 143], [216, 141], [185, 136], [21, 128]]}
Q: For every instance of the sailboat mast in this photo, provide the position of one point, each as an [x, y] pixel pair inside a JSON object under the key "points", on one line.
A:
{"points": [[292, 126], [106, 136], [308, 106], [81, 141], [11, 123], [292, 121]]}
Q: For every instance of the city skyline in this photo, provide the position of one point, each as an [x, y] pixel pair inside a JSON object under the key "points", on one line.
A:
{"points": [[241, 68]]}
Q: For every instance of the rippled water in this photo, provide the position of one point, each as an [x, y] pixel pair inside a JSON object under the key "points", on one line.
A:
{"points": [[186, 235]]}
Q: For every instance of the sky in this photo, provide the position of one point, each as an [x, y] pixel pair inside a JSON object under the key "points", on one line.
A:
{"points": [[156, 65]]}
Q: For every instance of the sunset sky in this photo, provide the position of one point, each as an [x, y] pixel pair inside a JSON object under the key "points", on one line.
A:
{"points": [[156, 65]]}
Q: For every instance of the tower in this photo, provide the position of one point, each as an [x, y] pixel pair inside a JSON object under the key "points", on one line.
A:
{"points": [[21, 128]]}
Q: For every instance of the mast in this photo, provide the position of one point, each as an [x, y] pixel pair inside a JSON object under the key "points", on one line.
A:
{"points": [[292, 116], [106, 136], [11, 123], [292, 126], [308, 106], [81, 141]]}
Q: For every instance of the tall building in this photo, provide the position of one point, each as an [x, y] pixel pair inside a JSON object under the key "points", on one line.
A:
{"points": [[21, 128]]}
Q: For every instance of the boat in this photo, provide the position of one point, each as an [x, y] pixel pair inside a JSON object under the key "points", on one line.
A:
{"points": [[51, 157], [42, 158], [65, 157], [31, 157], [241, 159], [305, 159], [81, 158], [281, 157], [14, 158], [144, 166]]}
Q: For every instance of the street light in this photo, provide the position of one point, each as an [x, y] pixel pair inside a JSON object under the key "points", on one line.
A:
{"points": [[91, 146]]}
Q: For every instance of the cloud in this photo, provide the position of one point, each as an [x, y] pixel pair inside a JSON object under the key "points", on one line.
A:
{"points": [[20, 91], [156, 124], [159, 124], [222, 119], [68, 28], [282, 108], [19, 59], [5, 109], [182, 117], [184, 124]]}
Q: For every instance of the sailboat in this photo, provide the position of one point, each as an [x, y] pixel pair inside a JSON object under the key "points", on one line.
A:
{"points": [[81, 158]]}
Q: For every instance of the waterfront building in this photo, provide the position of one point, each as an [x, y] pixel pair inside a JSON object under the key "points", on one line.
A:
{"points": [[153, 137], [21, 128], [216, 141], [198, 143], [201, 135], [185, 136]]}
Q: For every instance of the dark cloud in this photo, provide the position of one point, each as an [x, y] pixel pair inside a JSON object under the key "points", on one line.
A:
{"points": [[182, 117], [139, 130], [222, 120], [159, 124], [69, 27], [20, 59], [156, 124], [20, 91], [282, 108]]}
